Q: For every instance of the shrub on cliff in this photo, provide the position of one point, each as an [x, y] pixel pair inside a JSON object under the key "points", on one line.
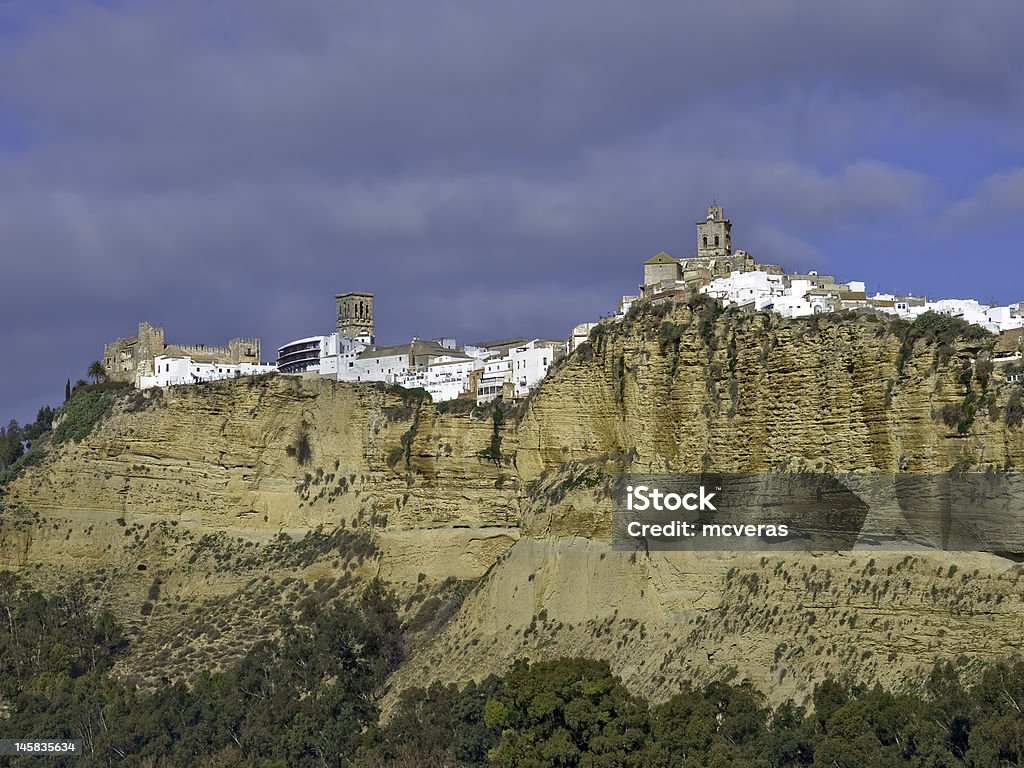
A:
{"points": [[936, 329], [1015, 410], [946, 329], [79, 415], [301, 450]]}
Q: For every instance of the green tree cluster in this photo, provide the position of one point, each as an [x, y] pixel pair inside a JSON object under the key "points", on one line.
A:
{"points": [[305, 699], [16, 441], [574, 712], [308, 699]]}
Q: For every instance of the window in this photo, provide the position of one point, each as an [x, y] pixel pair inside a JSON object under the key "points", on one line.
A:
{"points": [[705, 242], [716, 240]]}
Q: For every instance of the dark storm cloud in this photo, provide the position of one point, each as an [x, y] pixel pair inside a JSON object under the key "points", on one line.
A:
{"points": [[487, 169]]}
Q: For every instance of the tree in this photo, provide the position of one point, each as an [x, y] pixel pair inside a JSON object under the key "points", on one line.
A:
{"points": [[43, 423], [96, 371], [11, 446], [567, 712], [67, 391], [441, 722]]}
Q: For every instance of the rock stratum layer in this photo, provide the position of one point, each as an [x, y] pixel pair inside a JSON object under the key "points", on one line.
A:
{"points": [[200, 512]]}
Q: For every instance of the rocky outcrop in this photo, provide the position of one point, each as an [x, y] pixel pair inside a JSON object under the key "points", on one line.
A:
{"points": [[520, 505], [695, 389]]}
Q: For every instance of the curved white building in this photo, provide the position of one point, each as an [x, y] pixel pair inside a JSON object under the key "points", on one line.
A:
{"points": [[324, 354], [304, 355]]}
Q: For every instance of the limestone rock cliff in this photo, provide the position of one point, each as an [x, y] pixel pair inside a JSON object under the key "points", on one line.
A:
{"points": [[211, 493]]}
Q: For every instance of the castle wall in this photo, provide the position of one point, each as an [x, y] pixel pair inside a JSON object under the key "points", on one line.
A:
{"points": [[129, 358], [657, 273]]}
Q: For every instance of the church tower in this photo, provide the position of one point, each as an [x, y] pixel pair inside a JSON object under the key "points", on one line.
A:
{"points": [[713, 234], [355, 316]]}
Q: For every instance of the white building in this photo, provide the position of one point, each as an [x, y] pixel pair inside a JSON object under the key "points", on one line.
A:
{"points": [[757, 288], [302, 355], [1006, 318], [325, 355], [992, 318], [966, 309], [625, 304], [580, 333], [389, 363], [529, 366], [377, 364], [445, 378], [169, 371], [497, 371]]}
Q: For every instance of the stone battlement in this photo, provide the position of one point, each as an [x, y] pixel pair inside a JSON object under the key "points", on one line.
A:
{"points": [[129, 358]]}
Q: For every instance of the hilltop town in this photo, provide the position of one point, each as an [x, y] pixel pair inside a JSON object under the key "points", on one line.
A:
{"points": [[511, 368]]}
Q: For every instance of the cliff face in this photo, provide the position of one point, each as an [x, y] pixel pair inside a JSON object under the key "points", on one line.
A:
{"points": [[255, 458], [521, 506], [692, 390]]}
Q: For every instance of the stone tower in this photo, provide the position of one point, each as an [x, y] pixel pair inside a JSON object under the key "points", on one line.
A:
{"points": [[713, 234], [355, 316]]}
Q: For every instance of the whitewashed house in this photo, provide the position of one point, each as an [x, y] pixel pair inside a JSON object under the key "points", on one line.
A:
{"points": [[756, 288], [445, 377], [529, 366], [580, 333], [169, 371], [496, 372]]}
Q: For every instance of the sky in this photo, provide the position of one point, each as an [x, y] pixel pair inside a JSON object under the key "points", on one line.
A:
{"points": [[223, 167]]}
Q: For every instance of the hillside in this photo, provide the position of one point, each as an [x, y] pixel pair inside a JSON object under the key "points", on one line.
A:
{"points": [[198, 513]]}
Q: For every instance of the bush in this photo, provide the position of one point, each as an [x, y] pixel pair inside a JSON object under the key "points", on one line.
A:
{"points": [[934, 328], [102, 386], [79, 415], [301, 450], [1015, 410], [411, 396], [946, 329], [983, 373], [952, 413], [34, 456], [590, 477], [459, 405], [493, 451]]}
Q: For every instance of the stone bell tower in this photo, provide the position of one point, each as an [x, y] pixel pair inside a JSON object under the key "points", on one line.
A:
{"points": [[713, 234], [355, 316]]}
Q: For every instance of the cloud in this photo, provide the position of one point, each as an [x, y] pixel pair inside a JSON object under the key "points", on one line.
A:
{"points": [[224, 167], [998, 199]]}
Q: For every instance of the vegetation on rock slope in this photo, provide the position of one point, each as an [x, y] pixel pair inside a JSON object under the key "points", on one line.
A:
{"points": [[306, 699], [699, 365]]}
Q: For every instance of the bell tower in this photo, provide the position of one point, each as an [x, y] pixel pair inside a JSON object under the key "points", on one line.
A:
{"points": [[355, 316], [714, 234]]}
